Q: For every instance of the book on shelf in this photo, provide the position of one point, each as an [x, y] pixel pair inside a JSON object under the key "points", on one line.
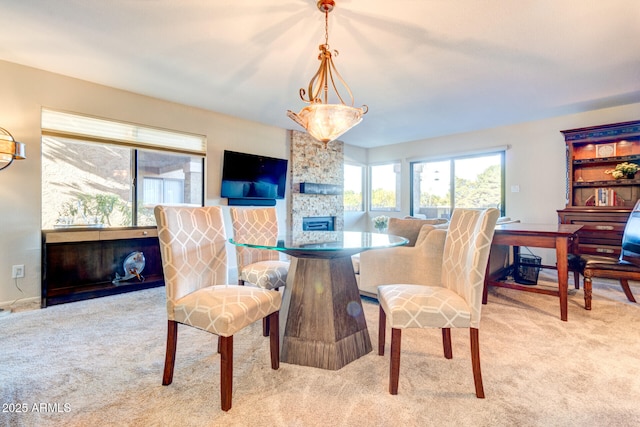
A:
{"points": [[607, 197]]}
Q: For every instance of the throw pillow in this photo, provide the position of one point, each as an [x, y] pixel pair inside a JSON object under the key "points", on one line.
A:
{"points": [[410, 228]]}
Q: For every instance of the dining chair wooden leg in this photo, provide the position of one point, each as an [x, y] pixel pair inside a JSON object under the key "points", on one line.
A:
{"points": [[226, 372], [219, 344], [587, 292], [627, 290], [394, 371], [382, 325], [576, 279], [446, 343], [170, 356], [475, 362], [265, 327], [274, 338]]}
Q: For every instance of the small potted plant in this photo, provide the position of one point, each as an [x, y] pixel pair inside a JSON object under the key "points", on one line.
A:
{"points": [[380, 223], [623, 170]]}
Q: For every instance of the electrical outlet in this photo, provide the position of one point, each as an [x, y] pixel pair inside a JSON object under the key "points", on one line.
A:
{"points": [[17, 271]]}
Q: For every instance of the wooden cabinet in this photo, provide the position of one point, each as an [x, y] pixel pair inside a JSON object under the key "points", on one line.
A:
{"points": [[80, 264], [595, 199], [601, 232]]}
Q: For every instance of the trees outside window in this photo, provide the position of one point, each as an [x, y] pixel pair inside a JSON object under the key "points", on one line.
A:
{"points": [[385, 187], [353, 185], [465, 182]]}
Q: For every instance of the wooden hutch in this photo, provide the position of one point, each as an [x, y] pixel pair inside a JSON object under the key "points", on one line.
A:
{"points": [[595, 199]]}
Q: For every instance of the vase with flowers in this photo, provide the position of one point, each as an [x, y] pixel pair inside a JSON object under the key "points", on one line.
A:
{"points": [[380, 223], [623, 170]]}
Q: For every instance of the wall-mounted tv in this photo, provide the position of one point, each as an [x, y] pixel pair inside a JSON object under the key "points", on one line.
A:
{"points": [[249, 178]]}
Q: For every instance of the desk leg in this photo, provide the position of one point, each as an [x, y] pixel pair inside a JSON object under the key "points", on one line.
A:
{"points": [[562, 253]]}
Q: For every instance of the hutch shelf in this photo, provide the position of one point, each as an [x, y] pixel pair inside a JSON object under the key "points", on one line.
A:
{"points": [[594, 199]]}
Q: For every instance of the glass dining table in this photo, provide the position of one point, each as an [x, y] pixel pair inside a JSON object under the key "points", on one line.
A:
{"points": [[322, 321]]}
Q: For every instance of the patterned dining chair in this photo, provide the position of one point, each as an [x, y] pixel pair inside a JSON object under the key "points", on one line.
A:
{"points": [[194, 261], [455, 303], [260, 267]]}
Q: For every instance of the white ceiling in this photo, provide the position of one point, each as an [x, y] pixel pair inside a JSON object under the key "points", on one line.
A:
{"points": [[424, 67]]}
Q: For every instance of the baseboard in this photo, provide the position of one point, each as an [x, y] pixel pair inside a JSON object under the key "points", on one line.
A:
{"points": [[22, 304]]}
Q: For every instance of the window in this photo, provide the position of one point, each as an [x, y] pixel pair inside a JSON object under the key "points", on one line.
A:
{"points": [[385, 191], [111, 174], [352, 193], [167, 178], [160, 190], [464, 182]]}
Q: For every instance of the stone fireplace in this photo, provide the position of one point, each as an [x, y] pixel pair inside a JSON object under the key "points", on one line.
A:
{"points": [[311, 162], [318, 223]]}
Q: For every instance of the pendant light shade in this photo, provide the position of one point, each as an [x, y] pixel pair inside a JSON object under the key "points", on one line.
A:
{"points": [[322, 120]]}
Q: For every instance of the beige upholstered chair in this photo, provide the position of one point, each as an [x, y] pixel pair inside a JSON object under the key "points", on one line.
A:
{"points": [[455, 302], [421, 263], [418, 261], [194, 260], [261, 267]]}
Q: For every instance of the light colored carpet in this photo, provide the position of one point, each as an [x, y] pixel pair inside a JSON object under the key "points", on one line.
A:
{"points": [[99, 363]]}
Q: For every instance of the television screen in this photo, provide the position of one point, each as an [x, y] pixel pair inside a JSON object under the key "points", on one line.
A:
{"points": [[248, 176]]}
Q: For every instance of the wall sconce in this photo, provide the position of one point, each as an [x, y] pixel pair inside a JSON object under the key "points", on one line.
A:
{"points": [[10, 149]]}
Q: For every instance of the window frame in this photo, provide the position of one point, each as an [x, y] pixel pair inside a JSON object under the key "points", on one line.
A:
{"points": [[363, 186], [132, 137], [398, 190], [452, 159]]}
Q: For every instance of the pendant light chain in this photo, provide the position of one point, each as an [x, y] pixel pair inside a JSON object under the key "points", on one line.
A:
{"points": [[326, 28]]}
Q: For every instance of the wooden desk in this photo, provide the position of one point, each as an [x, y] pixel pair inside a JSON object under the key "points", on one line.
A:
{"points": [[559, 236]]}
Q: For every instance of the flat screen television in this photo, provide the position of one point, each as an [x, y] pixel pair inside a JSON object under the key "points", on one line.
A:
{"points": [[247, 177]]}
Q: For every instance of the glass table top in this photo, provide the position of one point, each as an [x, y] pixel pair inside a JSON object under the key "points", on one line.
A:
{"points": [[327, 241]]}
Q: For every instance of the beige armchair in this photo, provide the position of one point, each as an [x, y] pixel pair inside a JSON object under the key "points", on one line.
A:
{"points": [[403, 264], [421, 262]]}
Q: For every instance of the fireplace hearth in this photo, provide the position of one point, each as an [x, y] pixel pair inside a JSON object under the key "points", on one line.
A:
{"points": [[318, 223]]}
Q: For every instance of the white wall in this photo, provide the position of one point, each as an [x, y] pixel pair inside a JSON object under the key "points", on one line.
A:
{"points": [[24, 91], [535, 160]]}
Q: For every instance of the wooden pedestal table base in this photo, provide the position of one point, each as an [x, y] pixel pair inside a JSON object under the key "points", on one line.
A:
{"points": [[323, 323]]}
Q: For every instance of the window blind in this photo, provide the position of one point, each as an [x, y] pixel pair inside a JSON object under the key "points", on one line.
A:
{"points": [[78, 126]]}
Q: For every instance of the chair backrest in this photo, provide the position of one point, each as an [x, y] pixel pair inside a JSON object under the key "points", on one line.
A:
{"points": [[631, 237], [259, 225], [193, 249], [466, 253]]}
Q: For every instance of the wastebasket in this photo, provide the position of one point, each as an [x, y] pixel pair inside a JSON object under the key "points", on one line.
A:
{"points": [[527, 269]]}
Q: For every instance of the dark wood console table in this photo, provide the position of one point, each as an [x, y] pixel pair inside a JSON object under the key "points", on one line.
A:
{"points": [[559, 236], [81, 263]]}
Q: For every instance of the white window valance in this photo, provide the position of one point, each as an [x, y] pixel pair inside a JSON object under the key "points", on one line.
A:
{"points": [[78, 126]]}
